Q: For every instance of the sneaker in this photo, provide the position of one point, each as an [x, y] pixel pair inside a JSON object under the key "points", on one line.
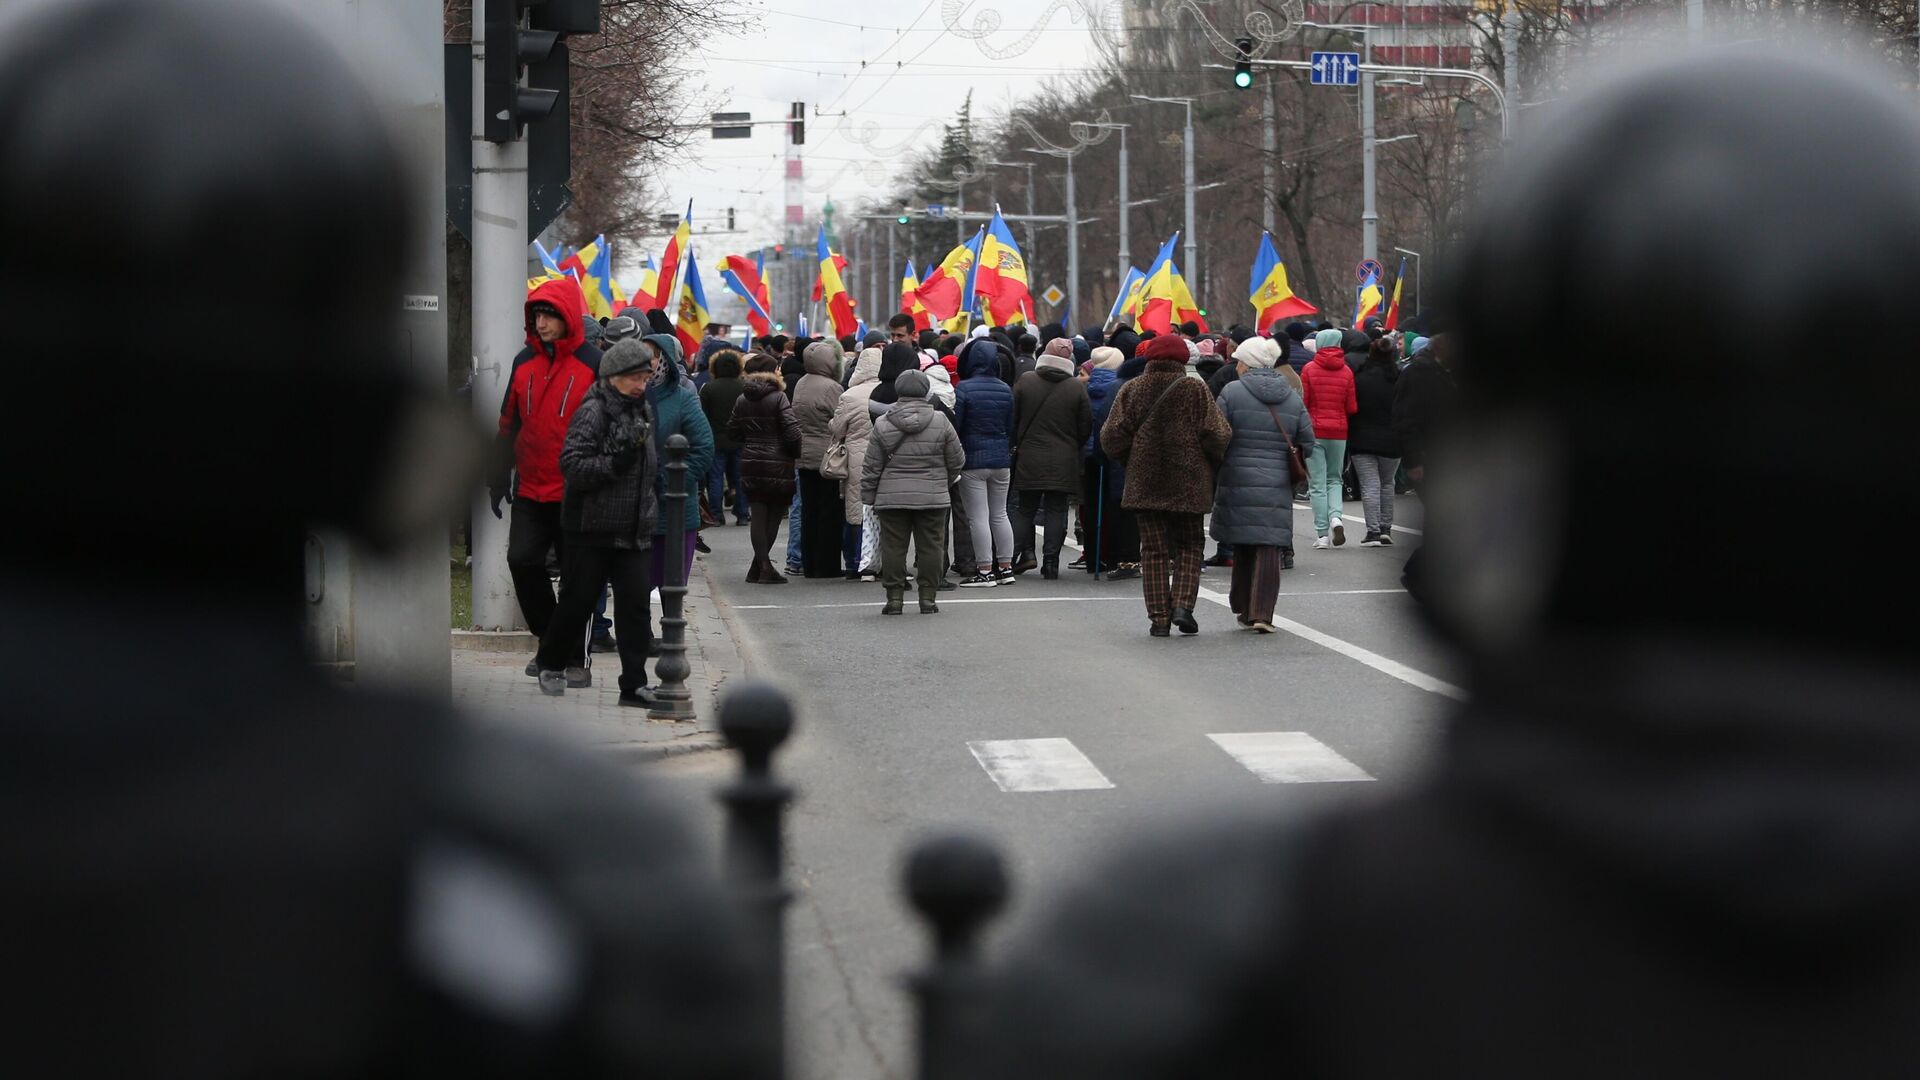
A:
{"points": [[853, 575], [1024, 562], [1262, 628], [1386, 538], [1079, 563], [982, 580], [796, 571], [1220, 558], [553, 683], [578, 678], [533, 669], [869, 575], [642, 698], [1372, 540], [1339, 531], [1322, 544], [1160, 631], [1004, 577], [700, 542], [1122, 573]]}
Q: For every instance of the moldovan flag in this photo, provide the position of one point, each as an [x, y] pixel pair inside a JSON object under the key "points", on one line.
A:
{"points": [[1129, 292], [910, 302], [1002, 276], [840, 263], [948, 288], [1370, 297], [748, 281], [642, 297], [1165, 299], [691, 324], [1269, 292], [832, 289], [597, 281], [672, 266], [1393, 308]]}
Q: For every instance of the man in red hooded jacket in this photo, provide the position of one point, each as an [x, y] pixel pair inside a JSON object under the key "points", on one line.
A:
{"points": [[550, 378]]}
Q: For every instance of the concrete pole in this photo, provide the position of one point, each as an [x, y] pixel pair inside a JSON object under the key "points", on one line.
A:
{"points": [[499, 298], [1029, 228], [1270, 144], [1073, 248], [893, 269], [1187, 266], [1126, 214], [1369, 212], [1510, 61]]}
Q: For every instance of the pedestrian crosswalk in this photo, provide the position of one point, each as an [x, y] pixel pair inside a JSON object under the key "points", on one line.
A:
{"points": [[1054, 764]]}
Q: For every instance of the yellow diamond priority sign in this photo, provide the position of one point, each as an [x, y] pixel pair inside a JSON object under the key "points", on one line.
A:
{"points": [[1053, 295]]}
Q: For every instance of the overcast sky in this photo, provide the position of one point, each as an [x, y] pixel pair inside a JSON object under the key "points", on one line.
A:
{"points": [[917, 73]]}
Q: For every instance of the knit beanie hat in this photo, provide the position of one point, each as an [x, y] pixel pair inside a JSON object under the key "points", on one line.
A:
{"points": [[1418, 344], [1296, 331], [1108, 358], [1164, 347], [911, 384], [1257, 352], [1206, 346], [591, 328], [1082, 350], [658, 322], [542, 307], [1058, 357], [1327, 339], [625, 356]]}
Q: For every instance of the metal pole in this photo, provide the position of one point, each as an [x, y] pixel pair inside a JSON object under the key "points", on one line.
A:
{"points": [[1510, 53], [1073, 248], [1499, 97], [672, 699], [499, 301], [1029, 226], [756, 719], [960, 212], [1696, 22], [893, 267], [1126, 214], [1271, 145], [1369, 213], [1188, 266]]}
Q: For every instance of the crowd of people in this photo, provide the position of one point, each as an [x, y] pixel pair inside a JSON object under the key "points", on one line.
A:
{"points": [[981, 453]]}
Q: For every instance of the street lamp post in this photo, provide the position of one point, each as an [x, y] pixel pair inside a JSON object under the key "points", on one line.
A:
{"points": [[1028, 228], [1126, 253], [1369, 208], [1187, 168], [1073, 230]]}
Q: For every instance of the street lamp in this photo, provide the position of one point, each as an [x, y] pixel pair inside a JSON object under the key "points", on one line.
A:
{"points": [[1027, 165], [1188, 164], [1126, 251], [1073, 229], [1369, 212]]}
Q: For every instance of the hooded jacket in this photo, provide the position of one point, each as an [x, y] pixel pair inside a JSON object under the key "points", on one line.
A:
{"points": [[1327, 384], [605, 507], [1356, 344], [1371, 429], [545, 388], [1423, 400], [913, 458], [1253, 501], [677, 411], [769, 438], [983, 410], [716, 400], [853, 425], [1052, 420], [815, 397]]}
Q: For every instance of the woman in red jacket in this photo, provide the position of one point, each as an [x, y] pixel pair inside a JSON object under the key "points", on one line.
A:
{"points": [[1327, 384]]}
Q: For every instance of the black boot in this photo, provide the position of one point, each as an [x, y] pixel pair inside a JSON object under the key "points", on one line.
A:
{"points": [[895, 602], [1050, 568], [1183, 618]]}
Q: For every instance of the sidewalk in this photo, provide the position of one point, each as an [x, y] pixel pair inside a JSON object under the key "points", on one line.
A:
{"points": [[490, 683]]}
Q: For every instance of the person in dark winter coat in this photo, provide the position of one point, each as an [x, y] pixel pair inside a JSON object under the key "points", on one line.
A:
{"points": [[1372, 445], [1328, 389], [983, 417], [1114, 544], [1424, 400], [611, 506], [1167, 432], [822, 511], [1052, 420], [769, 437], [717, 399], [1253, 501], [549, 381], [1355, 344], [913, 459], [676, 411]]}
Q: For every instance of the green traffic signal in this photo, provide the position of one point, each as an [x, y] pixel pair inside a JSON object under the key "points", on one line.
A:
{"points": [[1243, 79], [1243, 67]]}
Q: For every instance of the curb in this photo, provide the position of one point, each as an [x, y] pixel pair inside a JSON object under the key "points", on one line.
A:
{"points": [[696, 742], [494, 640]]}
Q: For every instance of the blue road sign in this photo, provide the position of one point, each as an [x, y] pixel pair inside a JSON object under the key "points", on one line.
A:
{"points": [[1335, 68], [936, 211]]}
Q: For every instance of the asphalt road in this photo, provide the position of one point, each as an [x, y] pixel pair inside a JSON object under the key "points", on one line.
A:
{"points": [[1043, 717]]}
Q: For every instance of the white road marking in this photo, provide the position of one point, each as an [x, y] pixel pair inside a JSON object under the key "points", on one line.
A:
{"points": [[943, 600], [1300, 507], [1038, 765], [1374, 660], [1289, 757]]}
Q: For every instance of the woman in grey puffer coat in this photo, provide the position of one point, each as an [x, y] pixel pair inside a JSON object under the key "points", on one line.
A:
{"points": [[1253, 498], [913, 459], [607, 515]]}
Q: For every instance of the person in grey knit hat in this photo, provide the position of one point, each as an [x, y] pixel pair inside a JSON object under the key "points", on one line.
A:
{"points": [[913, 460]]}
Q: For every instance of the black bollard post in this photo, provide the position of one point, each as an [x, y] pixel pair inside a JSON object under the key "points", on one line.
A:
{"points": [[956, 883], [756, 718], [672, 699]]}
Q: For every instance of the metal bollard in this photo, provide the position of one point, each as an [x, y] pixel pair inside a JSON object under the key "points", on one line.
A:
{"points": [[672, 699], [956, 883], [756, 718]]}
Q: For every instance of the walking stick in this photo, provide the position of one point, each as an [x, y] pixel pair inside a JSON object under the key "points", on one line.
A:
{"points": [[1100, 525]]}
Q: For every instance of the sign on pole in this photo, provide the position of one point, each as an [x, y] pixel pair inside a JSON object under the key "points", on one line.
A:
{"points": [[936, 211], [1334, 68], [1053, 295], [732, 125], [1369, 268]]}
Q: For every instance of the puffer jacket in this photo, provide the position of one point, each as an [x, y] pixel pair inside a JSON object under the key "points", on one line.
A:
{"points": [[853, 425], [815, 398], [676, 411], [1052, 420], [983, 408], [602, 507], [1100, 387], [1371, 429], [547, 384], [912, 460], [769, 438], [1253, 495], [1327, 384]]}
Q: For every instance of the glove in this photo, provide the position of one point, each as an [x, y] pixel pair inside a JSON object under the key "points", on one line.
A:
{"points": [[499, 495], [625, 458]]}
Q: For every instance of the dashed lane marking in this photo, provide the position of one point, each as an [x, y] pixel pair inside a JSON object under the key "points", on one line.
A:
{"points": [[1038, 765], [1289, 757]]}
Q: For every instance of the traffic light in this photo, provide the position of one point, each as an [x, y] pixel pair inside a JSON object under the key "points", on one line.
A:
{"points": [[729, 219], [1243, 67], [508, 105], [797, 123], [906, 215], [779, 251], [566, 16]]}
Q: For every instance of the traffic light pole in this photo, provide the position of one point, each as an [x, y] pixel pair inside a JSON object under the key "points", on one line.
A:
{"points": [[499, 291]]}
